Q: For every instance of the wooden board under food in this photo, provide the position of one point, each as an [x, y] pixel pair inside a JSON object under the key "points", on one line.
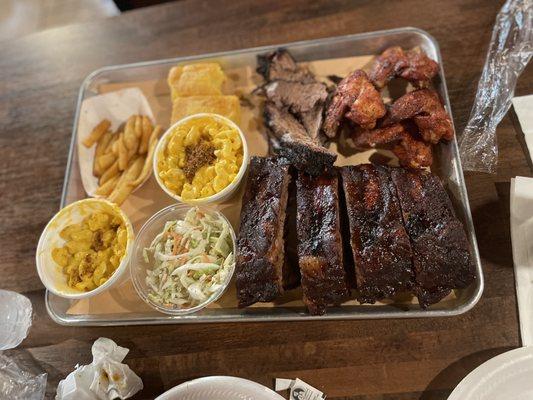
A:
{"points": [[150, 198]]}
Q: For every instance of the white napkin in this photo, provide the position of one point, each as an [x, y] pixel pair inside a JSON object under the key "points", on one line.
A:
{"points": [[523, 107], [522, 241], [106, 378]]}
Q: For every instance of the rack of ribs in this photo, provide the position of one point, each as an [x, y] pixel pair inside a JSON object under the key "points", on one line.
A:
{"points": [[441, 252], [320, 251], [260, 259], [379, 242]]}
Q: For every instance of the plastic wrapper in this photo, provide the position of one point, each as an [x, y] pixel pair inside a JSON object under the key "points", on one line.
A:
{"points": [[17, 384], [106, 378], [15, 319], [509, 52]]}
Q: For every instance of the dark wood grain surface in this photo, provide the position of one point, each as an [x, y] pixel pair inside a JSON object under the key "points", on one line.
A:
{"points": [[390, 359]]}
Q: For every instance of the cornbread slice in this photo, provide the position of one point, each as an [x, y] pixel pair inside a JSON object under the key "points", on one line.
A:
{"points": [[227, 106], [204, 79]]}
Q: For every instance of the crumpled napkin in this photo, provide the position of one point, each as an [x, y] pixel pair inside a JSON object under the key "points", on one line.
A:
{"points": [[106, 378]]}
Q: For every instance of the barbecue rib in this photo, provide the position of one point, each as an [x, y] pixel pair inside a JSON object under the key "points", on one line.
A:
{"points": [[354, 98], [402, 138], [291, 271], [380, 245], [441, 253], [294, 143], [320, 251], [260, 245], [414, 66], [428, 113]]}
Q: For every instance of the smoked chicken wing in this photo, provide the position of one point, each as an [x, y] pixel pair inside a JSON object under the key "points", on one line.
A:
{"points": [[428, 113], [356, 99], [414, 66], [403, 141]]}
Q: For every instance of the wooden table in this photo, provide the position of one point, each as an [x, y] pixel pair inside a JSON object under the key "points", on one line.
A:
{"points": [[391, 359]]}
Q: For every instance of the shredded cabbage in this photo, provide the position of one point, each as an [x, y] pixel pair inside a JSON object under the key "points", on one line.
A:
{"points": [[191, 260]]}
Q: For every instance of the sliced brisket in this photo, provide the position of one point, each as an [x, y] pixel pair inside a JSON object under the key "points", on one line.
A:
{"points": [[298, 97], [280, 65], [312, 121], [303, 152], [300, 100]]}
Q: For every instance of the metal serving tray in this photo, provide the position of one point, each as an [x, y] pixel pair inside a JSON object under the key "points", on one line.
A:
{"points": [[448, 167]]}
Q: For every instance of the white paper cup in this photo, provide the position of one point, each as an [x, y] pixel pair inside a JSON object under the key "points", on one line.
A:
{"points": [[50, 272], [224, 193]]}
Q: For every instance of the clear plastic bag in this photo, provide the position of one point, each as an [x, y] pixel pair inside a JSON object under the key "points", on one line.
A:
{"points": [[510, 50], [16, 384]]}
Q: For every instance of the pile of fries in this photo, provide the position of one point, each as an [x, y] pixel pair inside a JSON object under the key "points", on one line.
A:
{"points": [[122, 159]]}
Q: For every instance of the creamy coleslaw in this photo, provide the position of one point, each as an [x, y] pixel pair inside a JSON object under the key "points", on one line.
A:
{"points": [[192, 259]]}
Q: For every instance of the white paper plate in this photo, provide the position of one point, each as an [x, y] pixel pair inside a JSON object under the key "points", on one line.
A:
{"points": [[508, 376], [220, 387], [117, 107]]}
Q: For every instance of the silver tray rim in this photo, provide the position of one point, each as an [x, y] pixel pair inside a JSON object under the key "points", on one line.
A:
{"points": [[141, 319]]}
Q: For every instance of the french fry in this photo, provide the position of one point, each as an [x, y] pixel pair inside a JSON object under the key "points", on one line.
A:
{"points": [[106, 188], [132, 152], [146, 132], [129, 128], [124, 185], [97, 171], [129, 174], [105, 161], [120, 194], [138, 126], [147, 167], [102, 143], [122, 154], [100, 150], [97, 133], [109, 147], [109, 173], [123, 159], [131, 141], [114, 148], [155, 134]]}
